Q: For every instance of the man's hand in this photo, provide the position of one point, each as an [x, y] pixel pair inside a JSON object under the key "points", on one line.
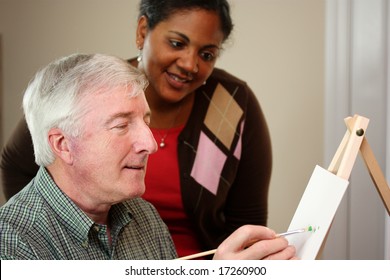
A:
{"points": [[251, 242]]}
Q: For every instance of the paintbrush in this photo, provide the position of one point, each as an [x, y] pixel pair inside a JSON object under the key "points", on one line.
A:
{"points": [[306, 229], [210, 252]]}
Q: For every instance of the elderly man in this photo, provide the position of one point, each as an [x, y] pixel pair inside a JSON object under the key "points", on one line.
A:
{"points": [[88, 118]]}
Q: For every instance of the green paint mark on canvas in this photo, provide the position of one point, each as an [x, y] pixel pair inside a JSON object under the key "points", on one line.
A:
{"points": [[312, 228]]}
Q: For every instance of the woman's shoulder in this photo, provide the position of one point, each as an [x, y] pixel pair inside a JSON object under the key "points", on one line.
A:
{"points": [[231, 83], [222, 76]]}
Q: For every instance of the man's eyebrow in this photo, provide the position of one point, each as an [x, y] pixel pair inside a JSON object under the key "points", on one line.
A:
{"points": [[185, 38]]}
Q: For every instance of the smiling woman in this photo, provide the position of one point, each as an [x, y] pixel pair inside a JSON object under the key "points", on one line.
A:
{"points": [[214, 134]]}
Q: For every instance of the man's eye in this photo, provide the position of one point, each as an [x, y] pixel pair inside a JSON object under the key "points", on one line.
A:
{"points": [[120, 126]]}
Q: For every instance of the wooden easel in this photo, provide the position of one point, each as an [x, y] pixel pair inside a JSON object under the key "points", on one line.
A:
{"points": [[354, 141]]}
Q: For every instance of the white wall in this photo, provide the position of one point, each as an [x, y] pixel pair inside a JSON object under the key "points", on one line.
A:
{"points": [[277, 47]]}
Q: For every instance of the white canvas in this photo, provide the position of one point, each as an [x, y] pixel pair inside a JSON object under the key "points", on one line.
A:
{"points": [[316, 210]]}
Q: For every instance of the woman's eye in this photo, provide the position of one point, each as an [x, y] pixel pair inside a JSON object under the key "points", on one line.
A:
{"points": [[208, 56], [176, 44]]}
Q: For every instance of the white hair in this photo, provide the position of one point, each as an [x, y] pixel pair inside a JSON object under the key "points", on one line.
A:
{"points": [[53, 96]]}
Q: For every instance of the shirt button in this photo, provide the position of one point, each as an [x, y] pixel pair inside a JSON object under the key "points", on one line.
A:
{"points": [[96, 228]]}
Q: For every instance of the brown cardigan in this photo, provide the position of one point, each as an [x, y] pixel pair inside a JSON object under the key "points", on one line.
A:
{"points": [[228, 185]]}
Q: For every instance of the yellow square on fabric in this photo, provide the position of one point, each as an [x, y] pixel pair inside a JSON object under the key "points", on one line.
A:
{"points": [[223, 116]]}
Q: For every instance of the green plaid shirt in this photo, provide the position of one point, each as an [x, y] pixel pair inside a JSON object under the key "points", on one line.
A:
{"points": [[41, 222]]}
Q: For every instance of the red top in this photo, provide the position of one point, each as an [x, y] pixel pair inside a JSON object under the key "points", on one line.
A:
{"points": [[163, 191]]}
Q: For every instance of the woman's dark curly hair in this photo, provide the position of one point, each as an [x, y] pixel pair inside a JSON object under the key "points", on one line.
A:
{"points": [[159, 10]]}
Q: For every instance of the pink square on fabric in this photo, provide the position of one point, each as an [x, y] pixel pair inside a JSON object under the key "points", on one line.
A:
{"points": [[208, 164]]}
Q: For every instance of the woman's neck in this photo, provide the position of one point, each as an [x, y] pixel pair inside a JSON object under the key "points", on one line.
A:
{"points": [[166, 115]]}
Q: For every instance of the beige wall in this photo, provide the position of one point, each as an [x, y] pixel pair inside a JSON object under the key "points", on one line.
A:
{"points": [[277, 47]]}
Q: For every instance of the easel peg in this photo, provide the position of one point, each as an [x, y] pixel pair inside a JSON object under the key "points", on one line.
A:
{"points": [[360, 132]]}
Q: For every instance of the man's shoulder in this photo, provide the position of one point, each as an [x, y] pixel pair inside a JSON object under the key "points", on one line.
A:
{"points": [[18, 218], [22, 210]]}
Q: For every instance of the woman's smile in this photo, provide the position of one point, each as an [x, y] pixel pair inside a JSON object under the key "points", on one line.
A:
{"points": [[177, 81]]}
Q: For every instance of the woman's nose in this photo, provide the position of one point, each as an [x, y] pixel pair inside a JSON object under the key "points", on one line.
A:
{"points": [[189, 62]]}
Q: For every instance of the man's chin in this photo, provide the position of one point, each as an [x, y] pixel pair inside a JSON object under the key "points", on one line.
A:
{"points": [[136, 191]]}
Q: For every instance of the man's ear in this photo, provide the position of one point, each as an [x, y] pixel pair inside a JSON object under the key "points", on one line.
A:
{"points": [[59, 144], [142, 30]]}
